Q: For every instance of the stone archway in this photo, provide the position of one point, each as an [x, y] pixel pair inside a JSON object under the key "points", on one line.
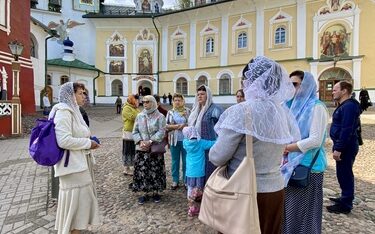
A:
{"points": [[328, 79], [146, 87]]}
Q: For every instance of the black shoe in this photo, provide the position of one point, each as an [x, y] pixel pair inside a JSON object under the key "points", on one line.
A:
{"points": [[141, 200], [335, 199], [174, 186], [338, 209], [156, 198]]}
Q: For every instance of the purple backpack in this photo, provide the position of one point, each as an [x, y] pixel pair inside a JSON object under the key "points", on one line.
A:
{"points": [[43, 146]]}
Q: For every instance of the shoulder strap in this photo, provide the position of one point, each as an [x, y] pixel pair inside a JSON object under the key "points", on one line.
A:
{"points": [[249, 146], [314, 159]]}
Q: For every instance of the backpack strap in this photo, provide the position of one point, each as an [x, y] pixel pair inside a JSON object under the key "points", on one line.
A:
{"points": [[67, 158]]}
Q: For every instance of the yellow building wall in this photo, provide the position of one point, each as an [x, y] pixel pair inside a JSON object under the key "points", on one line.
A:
{"points": [[292, 65], [243, 57], [287, 52], [213, 60], [178, 63], [312, 8], [367, 42], [101, 86]]}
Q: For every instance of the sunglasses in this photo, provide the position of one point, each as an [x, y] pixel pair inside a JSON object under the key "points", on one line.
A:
{"points": [[146, 102], [295, 84]]}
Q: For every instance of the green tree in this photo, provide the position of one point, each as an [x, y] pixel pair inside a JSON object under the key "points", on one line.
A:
{"points": [[182, 4]]}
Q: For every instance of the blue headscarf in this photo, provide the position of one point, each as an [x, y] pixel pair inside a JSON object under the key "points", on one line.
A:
{"points": [[302, 107]]}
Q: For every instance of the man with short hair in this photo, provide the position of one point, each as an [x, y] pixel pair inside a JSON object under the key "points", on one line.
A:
{"points": [[343, 132]]}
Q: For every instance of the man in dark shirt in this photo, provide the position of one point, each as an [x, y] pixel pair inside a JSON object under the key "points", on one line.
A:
{"points": [[160, 108], [343, 132], [170, 98]]}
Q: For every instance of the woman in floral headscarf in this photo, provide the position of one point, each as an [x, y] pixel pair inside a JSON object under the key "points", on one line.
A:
{"points": [[203, 117], [149, 170], [303, 206], [176, 121], [269, 122], [129, 113]]}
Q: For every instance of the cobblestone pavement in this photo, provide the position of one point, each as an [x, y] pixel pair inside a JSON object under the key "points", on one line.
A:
{"points": [[23, 187]]}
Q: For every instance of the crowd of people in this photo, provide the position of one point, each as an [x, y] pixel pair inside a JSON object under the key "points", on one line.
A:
{"points": [[281, 112]]}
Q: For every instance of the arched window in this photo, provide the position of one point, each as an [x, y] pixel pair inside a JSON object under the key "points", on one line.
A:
{"points": [[242, 40], [280, 35], [202, 80], [33, 48], [210, 45], [64, 79], [49, 80], [182, 86], [117, 88], [224, 84], [180, 48]]}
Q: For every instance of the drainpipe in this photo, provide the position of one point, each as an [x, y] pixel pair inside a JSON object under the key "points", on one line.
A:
{"points": [[157, 67], [52, 34], [93, 82]]}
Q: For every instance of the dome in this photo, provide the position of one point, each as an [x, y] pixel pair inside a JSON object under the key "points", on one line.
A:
{"points": [[68, 42]]}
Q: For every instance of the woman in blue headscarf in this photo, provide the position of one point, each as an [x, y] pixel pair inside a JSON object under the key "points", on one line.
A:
{"points": [[303, 206]]}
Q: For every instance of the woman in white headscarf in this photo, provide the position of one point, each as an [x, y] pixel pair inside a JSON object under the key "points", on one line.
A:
{"points": [[77, 205], [203, 117], [149, 170], [269, 122]]}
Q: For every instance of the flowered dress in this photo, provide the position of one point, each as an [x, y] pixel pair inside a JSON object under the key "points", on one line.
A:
{"points": [[149, 170]]}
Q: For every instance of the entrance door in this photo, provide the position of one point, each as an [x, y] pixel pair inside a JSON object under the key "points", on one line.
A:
{"points": [[328, 79], [325, 90]]}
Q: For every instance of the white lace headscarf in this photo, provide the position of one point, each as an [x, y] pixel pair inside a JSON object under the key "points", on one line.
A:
{"points": [[263, 115], [195, 118], [66, 96]]}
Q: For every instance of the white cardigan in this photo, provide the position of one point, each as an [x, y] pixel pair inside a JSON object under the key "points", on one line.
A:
{"points": [[72, 135]]}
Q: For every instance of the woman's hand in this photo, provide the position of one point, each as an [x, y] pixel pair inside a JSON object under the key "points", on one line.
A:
{"points": [[145, 145], [94, 145]]}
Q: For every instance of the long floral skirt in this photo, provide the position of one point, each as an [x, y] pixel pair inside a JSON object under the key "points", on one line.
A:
{"points": [[149, 172]]}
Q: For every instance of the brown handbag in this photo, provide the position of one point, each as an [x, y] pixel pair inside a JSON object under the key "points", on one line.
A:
{"points": [[158, 147], [229, 205]]}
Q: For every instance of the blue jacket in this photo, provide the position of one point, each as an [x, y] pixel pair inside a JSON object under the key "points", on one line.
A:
{"points": [[195, 157], [345, 122]]}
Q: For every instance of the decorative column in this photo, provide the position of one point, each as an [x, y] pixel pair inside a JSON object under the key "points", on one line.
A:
{"points": [[260, 29], [301, 28], [193, 35], [224, 40], [16, 67], [107, 85], [164, 48]]}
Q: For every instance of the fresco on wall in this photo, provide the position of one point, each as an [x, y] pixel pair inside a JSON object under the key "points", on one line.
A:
{"points": [[335, 41], [146, 5], [116, 50], [145, 62], [116, 67]]}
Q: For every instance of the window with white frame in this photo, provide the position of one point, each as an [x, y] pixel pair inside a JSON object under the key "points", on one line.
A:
{"points": [[202, 80], [64, 79], [116, 87], [180, 48], [210, 46], [33, 51], [280, 36], [280, 31], [178, 44], [241, 36], [5, 16], [209, 38], [182, 86], [224, 84], [242, 41]]}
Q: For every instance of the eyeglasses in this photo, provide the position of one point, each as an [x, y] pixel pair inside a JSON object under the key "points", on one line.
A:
{"points": [[146, 102], [295, 84]]}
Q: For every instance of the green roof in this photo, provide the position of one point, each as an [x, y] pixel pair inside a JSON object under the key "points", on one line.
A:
{"points": [[74, 64]]}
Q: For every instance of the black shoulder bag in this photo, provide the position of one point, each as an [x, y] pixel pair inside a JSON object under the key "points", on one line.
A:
{"points": [[301, 174]]}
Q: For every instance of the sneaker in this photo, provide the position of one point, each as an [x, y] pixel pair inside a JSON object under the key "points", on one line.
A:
{"points": [[141, 200], [335, 199], [156, 198], [174, 186], [338, 209]]}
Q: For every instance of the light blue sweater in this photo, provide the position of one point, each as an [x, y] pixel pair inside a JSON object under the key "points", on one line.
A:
{"points": [[195, 158]]}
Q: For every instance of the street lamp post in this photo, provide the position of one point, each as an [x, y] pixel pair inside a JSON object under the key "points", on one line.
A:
{"points": [[16, 49]]}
